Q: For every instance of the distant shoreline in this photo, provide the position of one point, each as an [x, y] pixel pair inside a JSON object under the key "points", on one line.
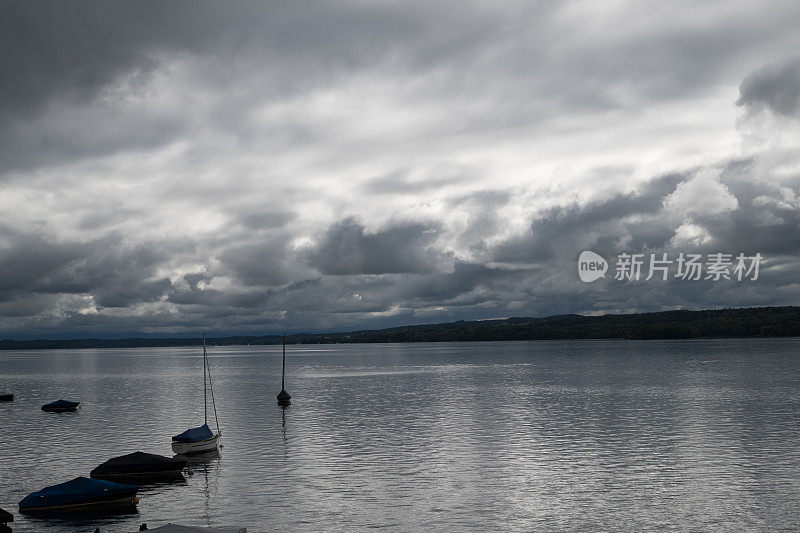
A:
{"points": [[711, 323]]}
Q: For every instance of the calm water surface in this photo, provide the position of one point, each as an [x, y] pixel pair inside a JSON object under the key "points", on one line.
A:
{"points": [[598, 435]]}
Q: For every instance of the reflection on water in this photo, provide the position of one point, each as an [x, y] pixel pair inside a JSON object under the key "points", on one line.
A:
{"points": [[74, 520], [523, 436], [283, 409]]}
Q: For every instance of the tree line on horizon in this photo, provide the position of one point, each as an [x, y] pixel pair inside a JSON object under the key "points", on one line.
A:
{"points": [[748, 322]]}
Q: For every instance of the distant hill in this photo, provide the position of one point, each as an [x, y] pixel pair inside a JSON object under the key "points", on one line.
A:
{"points": [[749, 322]]}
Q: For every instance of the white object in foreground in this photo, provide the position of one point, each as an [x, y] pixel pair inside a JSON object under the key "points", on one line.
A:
{"points": [[176, 528]]}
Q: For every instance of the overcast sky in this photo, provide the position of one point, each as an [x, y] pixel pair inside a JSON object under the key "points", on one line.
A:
{"points": [[250, 167]]}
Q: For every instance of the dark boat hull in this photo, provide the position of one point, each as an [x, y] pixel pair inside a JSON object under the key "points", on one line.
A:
{"points": [[196, 448], [127, 502], [79, 494], [139, 464], [61, 406]]}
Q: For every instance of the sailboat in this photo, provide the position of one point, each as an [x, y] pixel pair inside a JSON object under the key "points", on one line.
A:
{"points": [[200, 439], [284, 398]]}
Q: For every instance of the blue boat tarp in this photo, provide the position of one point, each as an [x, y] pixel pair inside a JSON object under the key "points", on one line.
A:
{"points": [[60, 405], [194, 434], [80, 490]]}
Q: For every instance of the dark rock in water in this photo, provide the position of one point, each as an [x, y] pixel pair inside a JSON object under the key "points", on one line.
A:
{"points": [[284, 398], [60, 406], [138, 464], [6, 397]]}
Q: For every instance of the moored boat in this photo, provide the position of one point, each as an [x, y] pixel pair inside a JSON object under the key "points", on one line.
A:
{"points": [[80, 493], [196, 440], [5, 518], [6, 397], [139, 464], [177, 528], [200, 439], [61, 406]]}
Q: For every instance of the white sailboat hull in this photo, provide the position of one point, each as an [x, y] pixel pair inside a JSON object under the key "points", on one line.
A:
{"points": [[192, 448]]}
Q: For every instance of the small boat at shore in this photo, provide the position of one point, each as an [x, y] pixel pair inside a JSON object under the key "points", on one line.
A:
{"points": [[6, 397], [79, 494], [177, 528], [200, 439], [139, 464], [5, 518], [61, 406]]}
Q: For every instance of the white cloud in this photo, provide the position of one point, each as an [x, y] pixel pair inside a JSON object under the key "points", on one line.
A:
{"points": [[701, 196]]}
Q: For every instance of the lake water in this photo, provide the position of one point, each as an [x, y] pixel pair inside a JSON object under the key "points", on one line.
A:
{"points": [[511, 436]]}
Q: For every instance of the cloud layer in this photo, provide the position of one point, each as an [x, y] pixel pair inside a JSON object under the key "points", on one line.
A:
{"points": [[262, 166]]}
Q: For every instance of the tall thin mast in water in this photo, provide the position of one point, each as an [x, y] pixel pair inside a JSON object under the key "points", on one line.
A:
{"points": [[205, 400], [284, 398]]}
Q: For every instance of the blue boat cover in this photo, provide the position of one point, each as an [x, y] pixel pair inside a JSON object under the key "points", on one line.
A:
{"points": [[79, 490], [194, 434], [61, 404]]}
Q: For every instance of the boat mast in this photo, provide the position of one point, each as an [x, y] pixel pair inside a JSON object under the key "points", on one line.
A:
{"points": [[205, 401], [284, 398], [283, 372]]}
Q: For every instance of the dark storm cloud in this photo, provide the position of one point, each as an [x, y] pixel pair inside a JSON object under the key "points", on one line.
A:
{"points": [[72, 50], [260, 263], [573, 224], [74, 66], [346, 248], [763, 221], [167, 165], [114, 274], [767, 219], [775, 87], [446, 287], [484, 219], [28, 261]]}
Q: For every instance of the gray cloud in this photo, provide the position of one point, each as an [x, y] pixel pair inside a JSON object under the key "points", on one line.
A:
{"points": [[347, 248], [775, 87], [28, 261], [264, 165], [260, 263], [404, 182], [575, 226]]}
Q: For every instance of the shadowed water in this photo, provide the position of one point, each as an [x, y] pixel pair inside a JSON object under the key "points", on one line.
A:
{"points": [[621, 435]]}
